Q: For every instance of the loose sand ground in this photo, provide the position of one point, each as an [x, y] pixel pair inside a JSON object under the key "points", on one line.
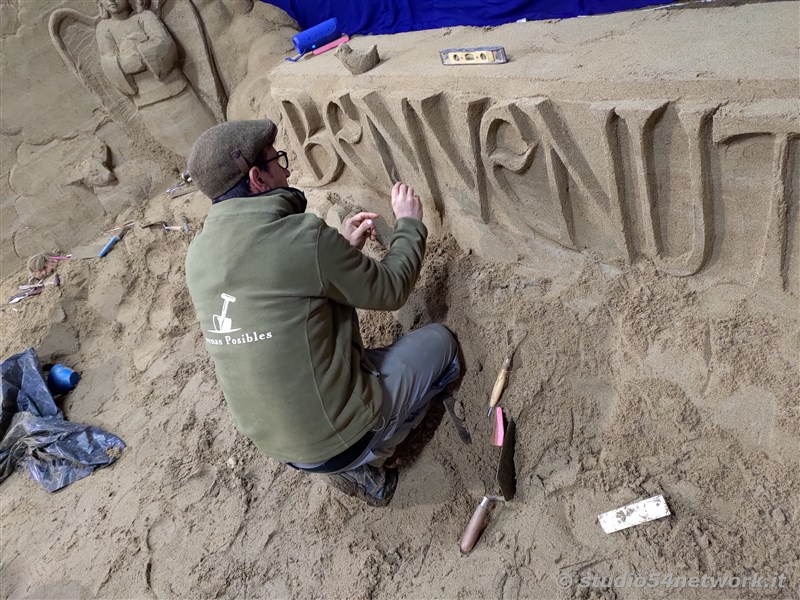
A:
{"points": [[630, 384]]}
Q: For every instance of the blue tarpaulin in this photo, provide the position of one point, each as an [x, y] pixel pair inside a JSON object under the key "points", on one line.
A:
{"points": [[395, 16], [34, 432]]}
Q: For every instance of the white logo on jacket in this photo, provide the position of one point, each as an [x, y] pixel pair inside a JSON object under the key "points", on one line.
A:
{"points": [[221, 321], [223, 324]]}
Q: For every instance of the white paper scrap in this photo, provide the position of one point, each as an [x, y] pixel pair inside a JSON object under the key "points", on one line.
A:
{"points": [[634, 514]]}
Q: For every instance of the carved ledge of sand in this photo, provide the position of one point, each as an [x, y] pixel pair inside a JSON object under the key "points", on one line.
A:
{"points": [[671, 155]]}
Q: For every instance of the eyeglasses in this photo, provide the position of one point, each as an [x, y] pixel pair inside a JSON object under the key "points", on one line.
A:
{"points": [[282, 158]]}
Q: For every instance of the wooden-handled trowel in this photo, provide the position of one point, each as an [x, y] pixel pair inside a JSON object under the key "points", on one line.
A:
{"points": [[506, 479]]}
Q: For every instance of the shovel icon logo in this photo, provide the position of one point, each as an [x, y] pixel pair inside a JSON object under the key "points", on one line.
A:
{"points": [[221, 322]]}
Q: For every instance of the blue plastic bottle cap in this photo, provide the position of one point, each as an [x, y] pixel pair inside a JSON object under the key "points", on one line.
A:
{"points": [[62, 378]]}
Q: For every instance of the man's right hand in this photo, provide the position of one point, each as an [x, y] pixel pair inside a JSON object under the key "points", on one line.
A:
{"points": [[405, 203]]}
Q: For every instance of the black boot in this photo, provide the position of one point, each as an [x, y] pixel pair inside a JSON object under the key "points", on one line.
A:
{"points": [[373, 485]]}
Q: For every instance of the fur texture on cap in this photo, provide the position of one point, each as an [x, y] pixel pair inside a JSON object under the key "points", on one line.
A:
{"points": [[214, 171]]}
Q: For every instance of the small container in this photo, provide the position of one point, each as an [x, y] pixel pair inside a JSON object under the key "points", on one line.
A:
{"points": [[62, 379], [316, 36]]}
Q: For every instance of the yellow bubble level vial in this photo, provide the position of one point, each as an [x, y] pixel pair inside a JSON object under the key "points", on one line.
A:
{"points": [[486, 55]]}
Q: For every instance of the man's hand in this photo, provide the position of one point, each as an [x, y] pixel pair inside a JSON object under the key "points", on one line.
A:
{"points": [[360, 227], [405, 203]]}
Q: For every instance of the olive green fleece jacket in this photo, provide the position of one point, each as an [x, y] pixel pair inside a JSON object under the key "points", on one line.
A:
{"points": [[275, 291]]}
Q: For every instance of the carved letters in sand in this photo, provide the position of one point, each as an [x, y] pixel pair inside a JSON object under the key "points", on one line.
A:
{"points": [[619, 180]]}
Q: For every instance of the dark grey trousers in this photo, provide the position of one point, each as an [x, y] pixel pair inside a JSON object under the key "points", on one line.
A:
{"points": [[413, 370]]}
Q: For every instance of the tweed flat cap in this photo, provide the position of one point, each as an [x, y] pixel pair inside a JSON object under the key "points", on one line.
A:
{"points": [[215, 165]]}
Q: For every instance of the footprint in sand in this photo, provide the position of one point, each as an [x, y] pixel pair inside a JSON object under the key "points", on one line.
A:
{"points": [[161, 315], [157, 262], [196, 487]]}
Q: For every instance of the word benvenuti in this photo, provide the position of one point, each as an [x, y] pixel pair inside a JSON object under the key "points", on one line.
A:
{"points": [[619, 180]]}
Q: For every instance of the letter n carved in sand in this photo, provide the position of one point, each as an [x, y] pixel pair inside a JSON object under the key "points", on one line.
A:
{"points": [[445, 134], [419, 136], [538, 169]]}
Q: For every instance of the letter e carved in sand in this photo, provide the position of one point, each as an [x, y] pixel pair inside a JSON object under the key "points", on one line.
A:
{"points": [[309, 136]]}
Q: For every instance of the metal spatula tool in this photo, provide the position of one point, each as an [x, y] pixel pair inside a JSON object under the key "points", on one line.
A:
{"points": [[506, 472], [506, 479]]}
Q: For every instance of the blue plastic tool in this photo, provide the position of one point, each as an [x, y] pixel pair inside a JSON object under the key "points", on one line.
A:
{"points": [[107, 248], [314, 37]]}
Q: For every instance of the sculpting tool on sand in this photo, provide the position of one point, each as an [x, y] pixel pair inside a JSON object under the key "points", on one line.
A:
{"points": [[24, 295], [117, 232], [184, 226], [506, 480], [109, 245], [498, 428], [634, 514], [461, 429], [331, 45], [183, 187], [502, 377], [55, 281], [97, 251]]}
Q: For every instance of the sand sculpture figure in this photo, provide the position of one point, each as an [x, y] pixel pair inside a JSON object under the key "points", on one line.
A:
{"points": [[148, 65]]}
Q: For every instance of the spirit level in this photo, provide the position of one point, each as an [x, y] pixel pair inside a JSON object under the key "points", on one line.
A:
{"points": [[485, 55]]}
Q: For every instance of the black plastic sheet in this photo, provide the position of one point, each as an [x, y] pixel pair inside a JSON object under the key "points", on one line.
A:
{"points": [[35, 434]]}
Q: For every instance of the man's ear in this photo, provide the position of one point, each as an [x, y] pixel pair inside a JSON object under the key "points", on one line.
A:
{"points": [[257, 182]]}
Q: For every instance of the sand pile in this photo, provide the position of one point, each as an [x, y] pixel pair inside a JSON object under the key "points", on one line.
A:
{"points": [[629, 384]]}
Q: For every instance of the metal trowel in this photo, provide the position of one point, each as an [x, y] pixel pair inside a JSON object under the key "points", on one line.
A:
{"points": [[506, 472], [506, 480], [461, 429]]}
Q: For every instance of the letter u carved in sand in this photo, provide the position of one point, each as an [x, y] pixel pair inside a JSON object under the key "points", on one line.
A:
{"points": [[641, 118]]}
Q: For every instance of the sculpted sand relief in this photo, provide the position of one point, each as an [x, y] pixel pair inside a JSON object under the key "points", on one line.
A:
{"points": [[618, 179], [147, 64], [778, 121]]}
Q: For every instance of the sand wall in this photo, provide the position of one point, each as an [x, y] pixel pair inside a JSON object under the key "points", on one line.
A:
{"points": [[72, 158], [694, 169], [620, 143]]}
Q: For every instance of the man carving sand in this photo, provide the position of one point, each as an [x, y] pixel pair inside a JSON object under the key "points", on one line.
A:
{"points": [[275, 290]]}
